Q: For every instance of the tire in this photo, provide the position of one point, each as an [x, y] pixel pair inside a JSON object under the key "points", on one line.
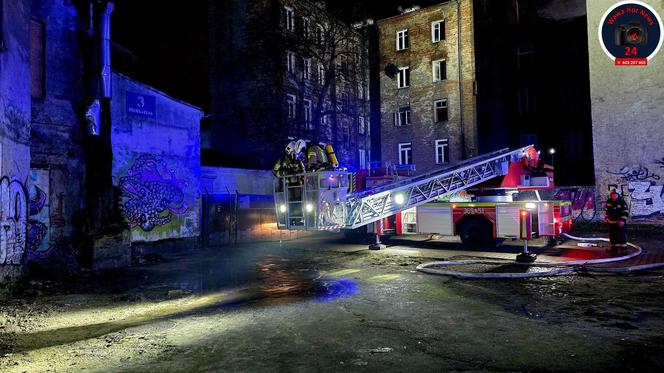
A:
{"points": [[476, 234]]}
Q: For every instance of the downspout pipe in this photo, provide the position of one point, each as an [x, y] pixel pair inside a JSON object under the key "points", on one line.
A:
{"points": [[105, 50], [464, 154]]}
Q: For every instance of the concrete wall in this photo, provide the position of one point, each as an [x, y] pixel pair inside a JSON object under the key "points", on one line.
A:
{"points": [[628, 123], [422, 93], [156, 161], [220, 180], [14, 134]]}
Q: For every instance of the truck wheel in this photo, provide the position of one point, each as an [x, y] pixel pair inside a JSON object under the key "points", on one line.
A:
{"points": [[476, 234]]}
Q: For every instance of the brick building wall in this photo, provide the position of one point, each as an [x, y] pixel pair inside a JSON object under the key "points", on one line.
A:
{"points": [[251, 82], [459, 129], [628, 123]]}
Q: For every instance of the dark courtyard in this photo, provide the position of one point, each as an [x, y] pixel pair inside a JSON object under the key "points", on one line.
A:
{"points": [[317, 305]]}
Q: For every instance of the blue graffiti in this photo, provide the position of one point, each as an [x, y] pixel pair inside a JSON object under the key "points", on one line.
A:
{"points": [[37, 230], [151, 194]]}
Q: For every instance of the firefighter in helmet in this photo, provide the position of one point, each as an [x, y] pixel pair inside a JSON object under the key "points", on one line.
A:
{"points": [[616, 218], [289, 164], [317, 158]]}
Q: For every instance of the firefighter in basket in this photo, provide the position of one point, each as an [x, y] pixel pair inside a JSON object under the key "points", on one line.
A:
{"points": [[289, 164], [317, 159]]}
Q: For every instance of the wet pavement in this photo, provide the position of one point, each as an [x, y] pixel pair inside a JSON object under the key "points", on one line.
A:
{"points": [[319, 304]]}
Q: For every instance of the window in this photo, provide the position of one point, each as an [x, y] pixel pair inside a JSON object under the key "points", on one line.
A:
{"points": [[320, 34], [528, 139], [525, 57], [321, 74], [402, 117], [343, 65], [291, 101], [289, 18], [402, 40], [440, 111], [290, 62], [574, 145], [405, 153], [306, 27], [362, 155], [361, 90], [403, 77], [360, 125], [527, 100], [307, 114], [2, 32], [442, 151], [325, 120], [37, 59], [306, 68], [437, 31], [345, 102], [439, 70], [347, 136]]}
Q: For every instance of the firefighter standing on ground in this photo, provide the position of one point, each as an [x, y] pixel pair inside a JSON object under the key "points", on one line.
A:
{"points": [[616, 218]]}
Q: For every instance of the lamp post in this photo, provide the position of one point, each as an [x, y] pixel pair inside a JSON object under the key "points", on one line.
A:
{"points": [[552, 151]]}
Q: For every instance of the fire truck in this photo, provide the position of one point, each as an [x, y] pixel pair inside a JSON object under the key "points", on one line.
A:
{"points": [[478, 199]]}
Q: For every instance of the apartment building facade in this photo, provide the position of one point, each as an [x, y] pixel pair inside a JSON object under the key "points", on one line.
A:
{"points": [[428, 109], [283, 69]]}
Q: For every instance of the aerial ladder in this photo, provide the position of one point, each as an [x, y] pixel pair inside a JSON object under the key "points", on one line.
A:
{"points": [[320, 201]]}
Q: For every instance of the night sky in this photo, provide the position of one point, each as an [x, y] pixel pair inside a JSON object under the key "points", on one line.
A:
{"points": [[164, 44]]}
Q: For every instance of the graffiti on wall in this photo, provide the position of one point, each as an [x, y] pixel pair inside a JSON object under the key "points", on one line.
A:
{"points": [[152, 196], [583, 201], [645, 199], [630, 174], [13, 221], [39, 225], [642, 190]]}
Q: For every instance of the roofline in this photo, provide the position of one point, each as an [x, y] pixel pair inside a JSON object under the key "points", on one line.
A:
{"points": [[153, 89], [415, 11]]}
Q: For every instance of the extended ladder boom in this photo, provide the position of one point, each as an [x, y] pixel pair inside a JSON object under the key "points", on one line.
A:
{"points": [[378, 203]]}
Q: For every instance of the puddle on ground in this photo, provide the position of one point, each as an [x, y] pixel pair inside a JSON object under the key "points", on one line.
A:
{"points": [[282, 278], [269, 279]]}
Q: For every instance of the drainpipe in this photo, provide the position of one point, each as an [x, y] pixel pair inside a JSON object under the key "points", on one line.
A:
{"points": [[101, 210], [105, 57], [461, 117]]}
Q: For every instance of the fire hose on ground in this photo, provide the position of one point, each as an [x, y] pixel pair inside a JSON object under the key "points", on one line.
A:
{"points": [[559, 268]]}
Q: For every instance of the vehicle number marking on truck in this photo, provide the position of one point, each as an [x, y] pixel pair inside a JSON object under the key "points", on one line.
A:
{"points": [[473, 211]]}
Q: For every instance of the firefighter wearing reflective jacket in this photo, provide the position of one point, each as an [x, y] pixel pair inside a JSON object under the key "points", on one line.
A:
{"points": [[616, 219], [289, 164], [317, 158]]}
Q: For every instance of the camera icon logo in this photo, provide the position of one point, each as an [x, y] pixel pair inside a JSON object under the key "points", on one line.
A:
{"points": [[631, 34]]}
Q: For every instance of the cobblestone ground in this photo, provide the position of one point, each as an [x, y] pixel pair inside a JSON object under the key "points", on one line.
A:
{"points": [[323, 305]]}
